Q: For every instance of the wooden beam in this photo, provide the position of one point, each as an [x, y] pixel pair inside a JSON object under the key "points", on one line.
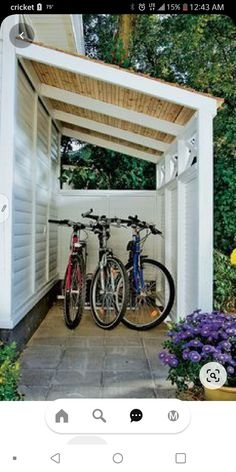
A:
{"points": [[110, 130], [116, 76], [109, 145], [111, 110]]}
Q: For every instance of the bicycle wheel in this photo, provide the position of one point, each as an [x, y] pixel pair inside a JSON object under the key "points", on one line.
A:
{"points": [[149, 307], [75, 296], [108, 305]]}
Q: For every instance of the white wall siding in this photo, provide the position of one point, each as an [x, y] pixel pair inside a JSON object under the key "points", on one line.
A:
{"points": [[22, 262], [114, 203], [42, 196], [34, 265], [54, 184], [1, 47]]}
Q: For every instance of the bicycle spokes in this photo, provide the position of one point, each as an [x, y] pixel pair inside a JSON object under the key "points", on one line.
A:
{"points": [[147, 301]]}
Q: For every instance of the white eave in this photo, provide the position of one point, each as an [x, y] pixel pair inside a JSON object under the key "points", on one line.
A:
{"points": [[66, 33]]}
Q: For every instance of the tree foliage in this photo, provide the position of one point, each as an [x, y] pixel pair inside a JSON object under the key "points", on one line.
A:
{"points": [[94, 167], [195, 51]]}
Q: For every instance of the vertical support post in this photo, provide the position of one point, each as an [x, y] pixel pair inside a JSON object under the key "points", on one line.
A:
{"points": [[49, 195], [34, 189], [205, 210], [181, 273], [7, 148]]}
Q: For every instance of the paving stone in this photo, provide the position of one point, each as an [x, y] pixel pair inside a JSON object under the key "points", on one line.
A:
{"points": [[56, 393], [85, 343], [126, 358], [122, 340], [111, 392], [127, 380], [63, 363], [48, 341], [129, 385], [77, 379], [36, 377], [47, 357], [53, 331], [34, 393], [76, 359]]}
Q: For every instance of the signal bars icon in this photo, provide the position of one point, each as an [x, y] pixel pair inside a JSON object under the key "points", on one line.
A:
{"points": [[162, 8]]}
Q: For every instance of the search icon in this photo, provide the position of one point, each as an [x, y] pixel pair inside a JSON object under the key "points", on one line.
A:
{"points": [[98, 415]]}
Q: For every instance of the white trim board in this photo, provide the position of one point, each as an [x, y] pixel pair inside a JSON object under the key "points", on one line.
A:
{"points": [[109, 145], [117, 76], [105, 108], [110, 130]]}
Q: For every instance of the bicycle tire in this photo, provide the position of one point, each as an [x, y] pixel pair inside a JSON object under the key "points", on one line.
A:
{"points": [[121, 309], [169, 304], [70, 322]]}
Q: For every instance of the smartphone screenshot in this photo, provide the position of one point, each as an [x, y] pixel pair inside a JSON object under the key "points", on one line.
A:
{"points": [[117, 236]]}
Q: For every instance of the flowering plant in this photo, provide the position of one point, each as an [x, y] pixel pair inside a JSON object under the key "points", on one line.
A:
{"points": [[196, 340]]}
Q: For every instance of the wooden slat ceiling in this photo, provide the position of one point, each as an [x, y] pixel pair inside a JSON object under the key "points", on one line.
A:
{"points": [[113, 94], [108, 120], [112, 139]]}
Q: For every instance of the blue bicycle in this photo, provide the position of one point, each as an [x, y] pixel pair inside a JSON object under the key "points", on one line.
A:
{"points": [[151, 286]]}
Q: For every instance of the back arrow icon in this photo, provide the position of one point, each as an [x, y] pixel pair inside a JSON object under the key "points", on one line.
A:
{"points": [[22, 35], [56, 458]]}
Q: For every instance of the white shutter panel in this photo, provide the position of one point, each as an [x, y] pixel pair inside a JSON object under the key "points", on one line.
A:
{"points": [[53, 230], [22, 241], [42, 195]]}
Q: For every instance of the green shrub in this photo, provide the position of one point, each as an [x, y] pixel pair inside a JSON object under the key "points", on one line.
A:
{"points": [[9, 373], [224, 283]]}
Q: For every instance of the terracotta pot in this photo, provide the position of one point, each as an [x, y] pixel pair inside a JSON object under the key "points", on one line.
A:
{"points": [[221, 394]]}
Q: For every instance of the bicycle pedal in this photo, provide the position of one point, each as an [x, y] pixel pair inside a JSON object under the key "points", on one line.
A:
{"points": [[60, 297]]}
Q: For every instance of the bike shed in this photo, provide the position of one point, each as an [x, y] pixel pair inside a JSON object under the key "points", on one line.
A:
{"points": [[46, 93]]}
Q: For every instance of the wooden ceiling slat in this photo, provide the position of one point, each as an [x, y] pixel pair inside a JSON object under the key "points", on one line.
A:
{"points": [[114, 140], [113, 94], [141, 130]]}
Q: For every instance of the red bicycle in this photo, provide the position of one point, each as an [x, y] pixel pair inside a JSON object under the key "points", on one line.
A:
{"points": [[75, 276]]}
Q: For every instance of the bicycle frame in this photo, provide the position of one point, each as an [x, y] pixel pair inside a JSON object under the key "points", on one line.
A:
{"points": [[103, 252], [75, 247], [138, 279]]}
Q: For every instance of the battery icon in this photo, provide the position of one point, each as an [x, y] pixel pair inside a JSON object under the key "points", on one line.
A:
{"points": [[185, 7]]}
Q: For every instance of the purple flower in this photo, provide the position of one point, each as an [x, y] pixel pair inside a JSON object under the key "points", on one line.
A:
{"points": [[194, 343], [185, 354], [208, 349], [194, 356], [231, 331], [225, 345], [205, 332], [230, 370], [173, 362], [220, 357], [162, 355]]}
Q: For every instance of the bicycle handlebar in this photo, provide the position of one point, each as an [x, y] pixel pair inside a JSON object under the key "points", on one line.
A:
{"points": [[99, 218], [134, 220], [68, 223], [88, 214]]}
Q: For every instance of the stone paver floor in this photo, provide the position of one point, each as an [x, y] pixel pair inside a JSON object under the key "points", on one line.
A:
{"points": [[92, 363]]}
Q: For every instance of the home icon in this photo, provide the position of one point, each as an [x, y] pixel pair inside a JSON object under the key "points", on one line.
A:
{"points": [[62, 417]]}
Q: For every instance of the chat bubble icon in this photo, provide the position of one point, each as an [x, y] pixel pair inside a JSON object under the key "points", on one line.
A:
{"points": [[136, 415]]}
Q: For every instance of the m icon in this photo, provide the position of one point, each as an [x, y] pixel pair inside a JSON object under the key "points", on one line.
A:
{"points": [[173, 415]]}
